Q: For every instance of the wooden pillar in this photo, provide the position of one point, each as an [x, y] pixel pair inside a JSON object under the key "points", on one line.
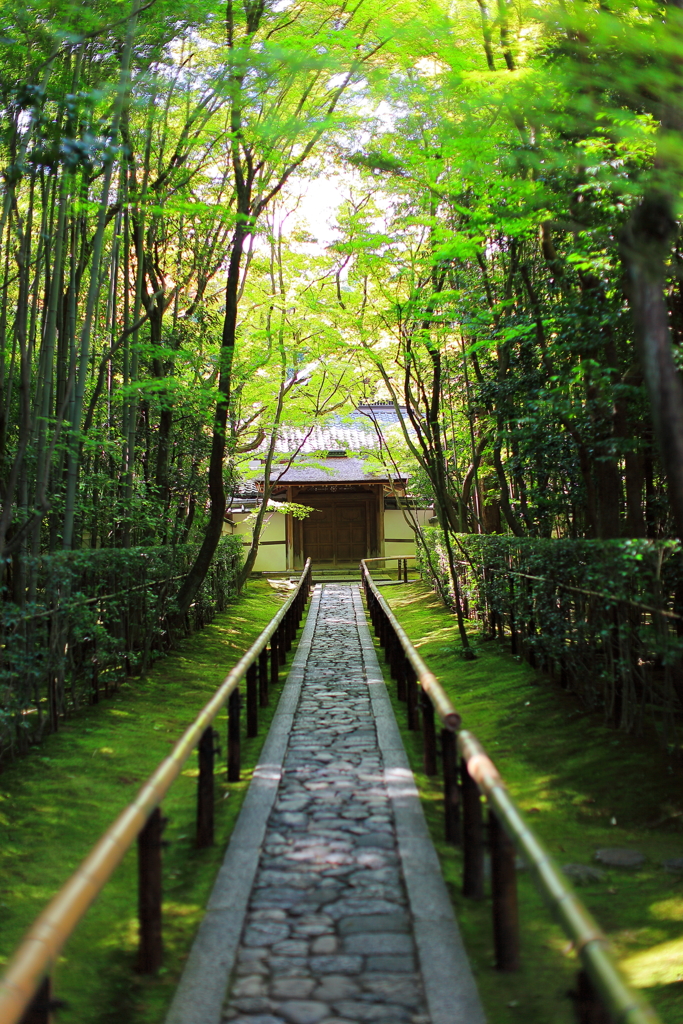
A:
{"points": [[150, 950], [379, 505], [263, 678], [401, 675], [281, 633], [252, 702], [289, 533], [428, 734], [234, 742], [504, 889], [451, 790], [472, 836], [411, 697], [38, 1010], [588, 1006], [205, 790], [274, 659]]}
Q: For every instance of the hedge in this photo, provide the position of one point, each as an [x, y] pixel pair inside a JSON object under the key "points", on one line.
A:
{"points": [[98, 616], [603, 618]]}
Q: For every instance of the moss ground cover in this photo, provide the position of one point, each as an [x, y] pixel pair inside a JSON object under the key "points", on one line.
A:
{"points": [[583, 787], [56, 802]]}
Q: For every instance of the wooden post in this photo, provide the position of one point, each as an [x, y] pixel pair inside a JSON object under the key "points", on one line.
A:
{"points": [[252, 702], [401, 675], [274, 659], [411, 697], [472, 836], [263, 678], [504, 888], [587, 1004], [405, 570], [205, 792], [451, 791], [38, 1010], [428, 734], [234, 752], [281, 632], [392, 651], [150, 950]]}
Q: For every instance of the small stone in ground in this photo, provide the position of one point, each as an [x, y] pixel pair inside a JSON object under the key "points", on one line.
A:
{"points": [[620, 857], [583, 874]]}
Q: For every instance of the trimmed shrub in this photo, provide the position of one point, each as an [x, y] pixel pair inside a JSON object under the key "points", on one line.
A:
{"points": [[96, 618], [603, 618]]}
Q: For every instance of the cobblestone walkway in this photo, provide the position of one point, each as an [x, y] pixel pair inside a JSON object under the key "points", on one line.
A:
{"points": [[328, 935]]}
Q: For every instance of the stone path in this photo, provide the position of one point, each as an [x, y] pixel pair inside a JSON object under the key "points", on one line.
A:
{"points": [[328, 934], [330, 907]]}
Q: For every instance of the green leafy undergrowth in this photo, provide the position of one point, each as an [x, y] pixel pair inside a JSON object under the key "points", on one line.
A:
{"points": [[583, 787], [55, 803]]}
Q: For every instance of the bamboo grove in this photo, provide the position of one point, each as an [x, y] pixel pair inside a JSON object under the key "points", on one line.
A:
{"points": [[503, 263]]}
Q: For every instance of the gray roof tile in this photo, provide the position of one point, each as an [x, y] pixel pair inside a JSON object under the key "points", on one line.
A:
{"points": [[353, 433]]}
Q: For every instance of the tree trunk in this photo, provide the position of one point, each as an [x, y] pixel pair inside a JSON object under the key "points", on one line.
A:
{"points": [[214, 529], [645, 246]]}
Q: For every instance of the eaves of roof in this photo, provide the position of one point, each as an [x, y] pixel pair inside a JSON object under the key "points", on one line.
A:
{"points": [[331, 471]]}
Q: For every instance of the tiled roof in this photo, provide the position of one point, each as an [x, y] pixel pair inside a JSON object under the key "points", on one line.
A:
{"points": [[327, 471], [353, 433]]}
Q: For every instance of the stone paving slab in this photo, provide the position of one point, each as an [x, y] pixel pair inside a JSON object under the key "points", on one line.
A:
{"points": [[332, 909]]}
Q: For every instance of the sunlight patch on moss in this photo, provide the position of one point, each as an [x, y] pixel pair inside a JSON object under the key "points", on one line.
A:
{"points": [[660, 965], [668, 910]]}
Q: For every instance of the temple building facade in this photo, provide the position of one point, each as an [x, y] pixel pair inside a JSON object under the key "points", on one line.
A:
{"points": [[359, 508]]}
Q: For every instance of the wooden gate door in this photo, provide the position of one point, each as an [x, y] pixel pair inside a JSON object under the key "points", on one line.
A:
{"points": [[318, 529], [351, 533], [336, 533]]}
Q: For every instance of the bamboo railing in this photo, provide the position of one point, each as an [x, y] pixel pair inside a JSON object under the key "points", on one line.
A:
{"points": [[25, 991], [602, 994]]}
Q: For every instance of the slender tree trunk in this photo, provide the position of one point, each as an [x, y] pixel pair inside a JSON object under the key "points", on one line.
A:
{"points": [[645, 246], [94, 287], [214, 529]]}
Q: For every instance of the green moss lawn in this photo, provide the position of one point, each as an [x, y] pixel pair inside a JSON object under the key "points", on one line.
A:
{"points": [[57, 801], [583, 786]]}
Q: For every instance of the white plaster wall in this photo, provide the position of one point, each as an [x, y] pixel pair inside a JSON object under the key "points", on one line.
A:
{"points": [[271, 557], [399, 539]]}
